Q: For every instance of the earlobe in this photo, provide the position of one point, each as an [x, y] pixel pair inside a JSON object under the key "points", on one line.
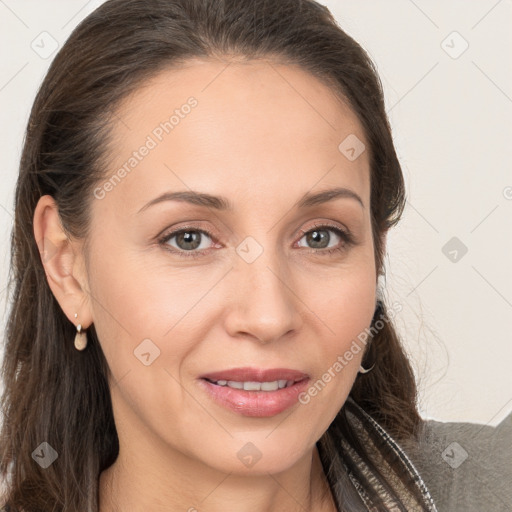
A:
{"points": [[59, 262]]}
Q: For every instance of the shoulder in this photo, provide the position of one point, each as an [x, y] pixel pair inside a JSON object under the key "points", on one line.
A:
{"points": [[466, 466]]}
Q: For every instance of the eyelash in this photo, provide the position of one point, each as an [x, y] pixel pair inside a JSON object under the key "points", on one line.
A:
{"points": [[347, 240]]}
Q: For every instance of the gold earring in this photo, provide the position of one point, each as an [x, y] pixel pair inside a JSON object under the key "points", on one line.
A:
{"points": [[80, 337]]}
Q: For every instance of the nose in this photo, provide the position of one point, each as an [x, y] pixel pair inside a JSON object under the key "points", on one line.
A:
{"points": [[264, 305]]}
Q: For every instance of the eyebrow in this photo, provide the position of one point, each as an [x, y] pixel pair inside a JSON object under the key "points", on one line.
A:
{"points": [[223, 204]]}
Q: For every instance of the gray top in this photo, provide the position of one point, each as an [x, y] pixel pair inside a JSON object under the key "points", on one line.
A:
{"points": [[466, 466], [449, 467]]}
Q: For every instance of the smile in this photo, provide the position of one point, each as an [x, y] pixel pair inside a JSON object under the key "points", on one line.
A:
{"points": [[254, 392]]}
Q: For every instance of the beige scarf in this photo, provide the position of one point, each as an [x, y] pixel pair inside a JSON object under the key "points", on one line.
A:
{"points": [[346, 470]]}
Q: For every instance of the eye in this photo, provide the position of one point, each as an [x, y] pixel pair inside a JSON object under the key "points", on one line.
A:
{"points": [[187, 241], [319, 238]]}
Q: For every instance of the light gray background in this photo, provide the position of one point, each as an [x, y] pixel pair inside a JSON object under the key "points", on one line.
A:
{"points": [[450, 112]]}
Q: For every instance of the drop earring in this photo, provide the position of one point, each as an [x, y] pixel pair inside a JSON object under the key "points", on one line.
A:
{"points": [[80, 337], [378, 309], [363, 370]]}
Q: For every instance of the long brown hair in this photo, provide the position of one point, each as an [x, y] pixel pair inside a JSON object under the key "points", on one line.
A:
{"points": [[58, 395]]}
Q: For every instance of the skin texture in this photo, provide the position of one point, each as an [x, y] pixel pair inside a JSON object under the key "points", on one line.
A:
{"points": [[262, 135]]}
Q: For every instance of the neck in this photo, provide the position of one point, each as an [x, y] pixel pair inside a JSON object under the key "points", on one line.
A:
{"points": [[163, 481]]}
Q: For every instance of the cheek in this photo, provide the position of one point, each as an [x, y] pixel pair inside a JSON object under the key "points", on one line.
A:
{"points": [[343, 302], [140, 317], [126, 309], [150, 317], [342, 294], [343, 309]]}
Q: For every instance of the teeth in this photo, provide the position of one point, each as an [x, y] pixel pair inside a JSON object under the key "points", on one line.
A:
{"points": [[256, 386], [269, 386], [252, 386]]}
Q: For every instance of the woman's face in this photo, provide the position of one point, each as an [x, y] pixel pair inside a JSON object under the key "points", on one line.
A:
{"points": [[268, 283]]}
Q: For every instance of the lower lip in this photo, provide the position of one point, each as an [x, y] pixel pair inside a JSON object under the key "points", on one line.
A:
{"points": [[255, 403]]}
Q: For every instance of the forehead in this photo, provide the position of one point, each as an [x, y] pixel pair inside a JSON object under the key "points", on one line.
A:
{"points": [[252, 126]]}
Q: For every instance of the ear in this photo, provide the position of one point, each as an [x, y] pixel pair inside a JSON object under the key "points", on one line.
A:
{"points": [[63, 263]]}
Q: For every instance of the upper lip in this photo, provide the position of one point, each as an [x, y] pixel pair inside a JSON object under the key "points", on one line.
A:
{"points": [[248, 374]]}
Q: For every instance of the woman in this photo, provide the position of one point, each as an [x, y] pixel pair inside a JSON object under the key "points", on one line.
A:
{"points": [[191, 170]]}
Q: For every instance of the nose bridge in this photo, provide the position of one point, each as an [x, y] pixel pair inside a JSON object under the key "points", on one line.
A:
{"points": [[265, 305], [263, 267]]}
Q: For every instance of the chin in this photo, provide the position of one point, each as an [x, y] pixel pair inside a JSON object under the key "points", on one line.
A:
{"points": [[257, 456]]}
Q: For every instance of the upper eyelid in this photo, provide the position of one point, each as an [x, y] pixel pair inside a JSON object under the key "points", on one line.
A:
{"points": [[324, 224]]}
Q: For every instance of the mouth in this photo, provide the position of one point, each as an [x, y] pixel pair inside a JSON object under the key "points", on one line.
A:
{"points": [[255, 392]]}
